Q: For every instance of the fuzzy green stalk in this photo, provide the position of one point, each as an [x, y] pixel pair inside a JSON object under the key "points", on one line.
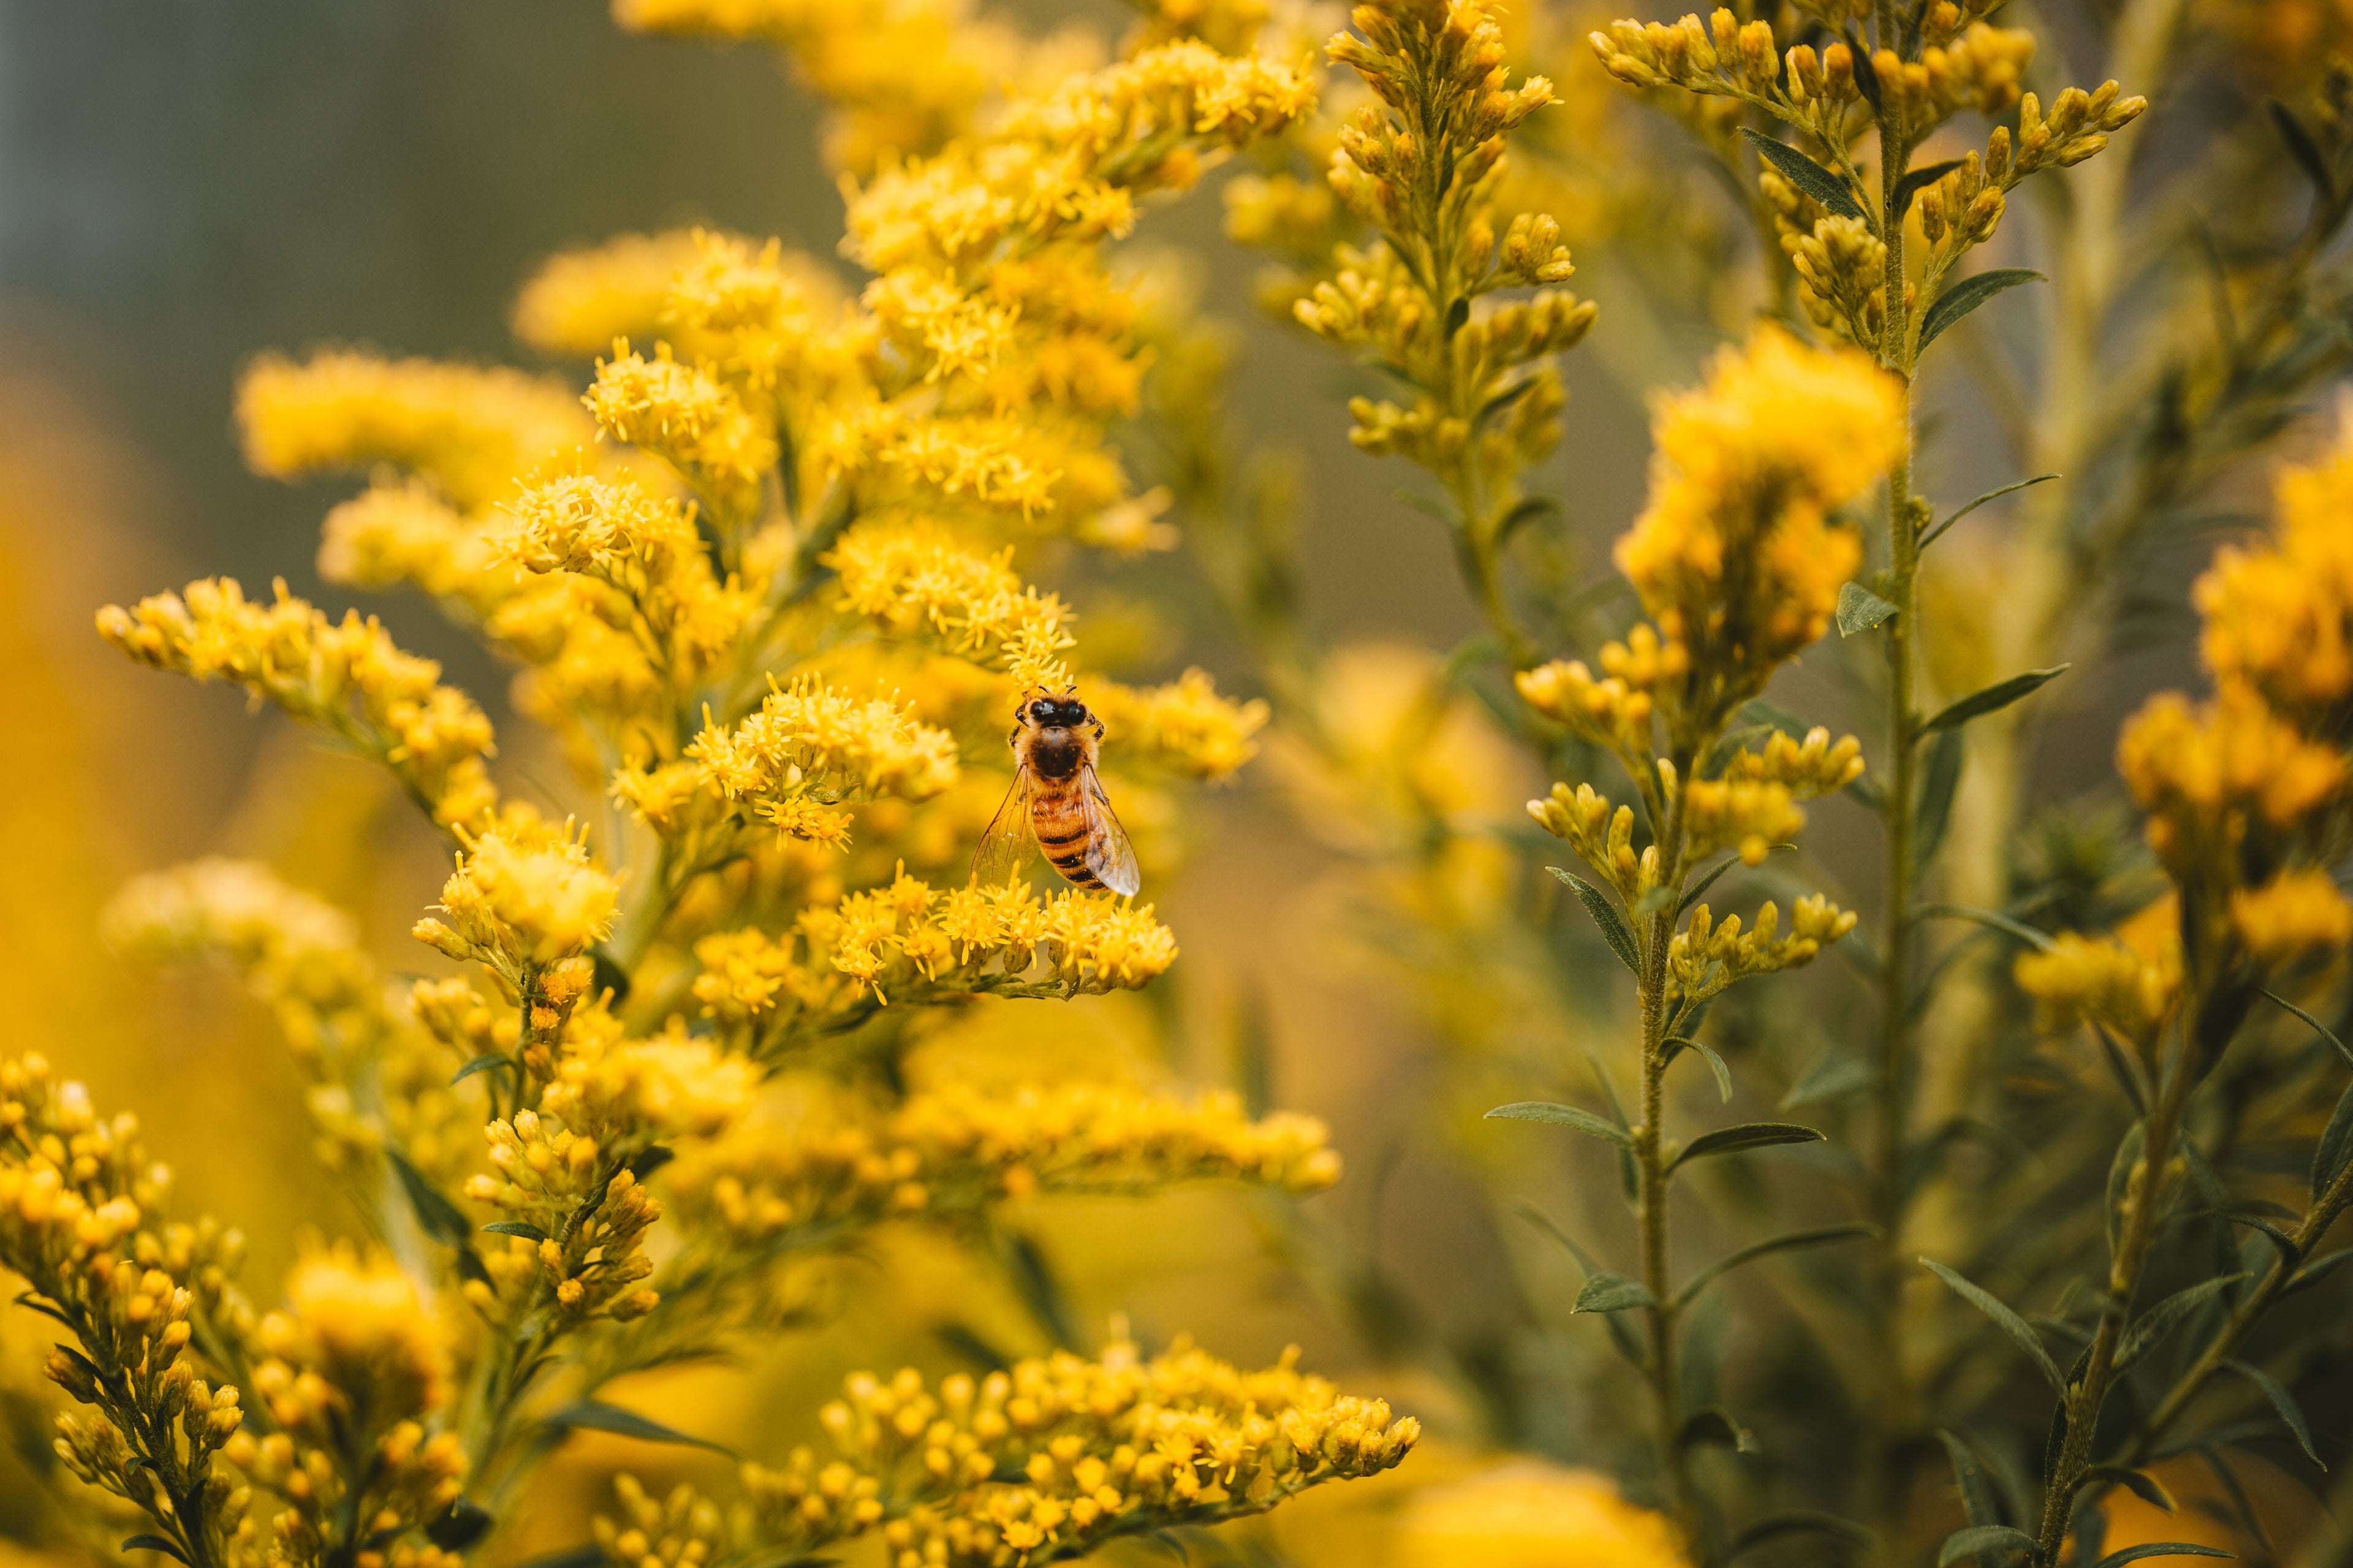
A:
{"points": [[1888, 1411], [1653, 1166]]}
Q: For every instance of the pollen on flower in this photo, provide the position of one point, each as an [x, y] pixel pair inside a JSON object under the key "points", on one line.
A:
{"points": [[523, 895], [1185, 725], [914, 579]]}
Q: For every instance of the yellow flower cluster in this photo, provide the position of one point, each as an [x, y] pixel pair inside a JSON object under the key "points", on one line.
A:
{"points": [[1751, 815], [77, 1193], [626, 1093], [1183, 725], [1529, 1514], [2129, 981], [1603, 839], [1705, 957], [2207, 775], [691, 419], [583, 1216], [957, 1150], [807, 745], [2279, 615], [914, 579], [524, 897], [345, 677], [1736, 557], [473, 431], [986, 938], [2295, 915], [356, 1366], [1052, 1457]]}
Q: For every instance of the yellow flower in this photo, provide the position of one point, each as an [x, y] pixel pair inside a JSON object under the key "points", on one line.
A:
{"points": [[1183, 725], [2279, 615], [2128, 984], [1529, 1514], [629, 1093], [362, 1326], [473, 431], [1705, 957], [578, 302], [346, 678], [808, 741], [2202, 773], [2295, 915], [1747, 814], [1736, 557], [522, 898], [685, 417], [915, 579]]}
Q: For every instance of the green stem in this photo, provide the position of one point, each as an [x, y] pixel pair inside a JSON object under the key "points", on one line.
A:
{"points": [[1650, 1161], [1889, 1407]]}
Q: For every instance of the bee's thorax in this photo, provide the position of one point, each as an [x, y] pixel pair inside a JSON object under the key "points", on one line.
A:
{"points": [[1053, 752]]}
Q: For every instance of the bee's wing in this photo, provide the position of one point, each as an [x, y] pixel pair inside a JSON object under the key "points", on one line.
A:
{"points": [[1109, 854], [1006, 844]]}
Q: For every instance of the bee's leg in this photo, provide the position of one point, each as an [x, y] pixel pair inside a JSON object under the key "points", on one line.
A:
{"points": [[1099, 729], [1015, 738]]}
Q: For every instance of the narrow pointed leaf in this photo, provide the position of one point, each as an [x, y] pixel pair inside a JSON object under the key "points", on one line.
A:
{"points": [[463, 1523], [1815, 1235], [1693, 894], [1607, 1292], [1716, 1424], [2160, 1549], [1798, 1522], [595, 1415], [2008, 1321], [152, 1544], [2302, 149], [1562, 1116], [2039, 940], [1714, 1063], [2151, 1326], [1967, 295], [1914, 179], [482, 1063], [1994, 698], [1747, 1135], [2282, 1401], [2144, 1486], [2319, 1268], [1605, 915], [1832, 1074], [2335, 1145], [1935, 533], [1978, 1501], [441, 1219], [1979, 1538], [1806, 174], [1860, 609], [516, 1227], [1934, 809], [2322, 1030]]}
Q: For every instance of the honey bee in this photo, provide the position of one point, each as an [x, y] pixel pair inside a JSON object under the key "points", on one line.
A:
{"points": [[1057, 800]]}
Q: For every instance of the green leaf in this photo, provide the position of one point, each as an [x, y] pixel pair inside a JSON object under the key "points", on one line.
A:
{"points": [[1716, 1424], [2130, 1149], [1979, 1538], [441, 1219], [1607, 1292], [1806, 174], [2039, 940], [1526, 512], [1994, 698], [1747, 1135], [1758, 710], [152, 1544], [2160, 1549], [1457, 314], [2151, 1326], [2282, 1401], [2010, 1322], [1613, 928], [2142, 1487], [1967, 295], [2336, 1146], [1561, 1116], [1816, 1236], [610, 975], [1860, 609], [595, 1415], [1802, 1521], [1714, 1063], [2319, 1268], [2302, 149], [1914, 180], [1935, 807], [482, 1063], [1932, 534], [1832, 1074], [515, 1227], [1693, 894], [2322, 1030], [1977, 1500]]}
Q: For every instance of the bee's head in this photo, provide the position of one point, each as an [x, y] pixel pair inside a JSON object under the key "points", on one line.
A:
{"points": [[1058, 712]]}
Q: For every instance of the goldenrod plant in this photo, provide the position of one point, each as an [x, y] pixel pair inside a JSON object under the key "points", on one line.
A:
{"points": [[1998, 1223], [758, 584]]}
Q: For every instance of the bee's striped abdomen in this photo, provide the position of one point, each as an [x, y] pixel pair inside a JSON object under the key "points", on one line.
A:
{"points": [[1060, 822]]}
